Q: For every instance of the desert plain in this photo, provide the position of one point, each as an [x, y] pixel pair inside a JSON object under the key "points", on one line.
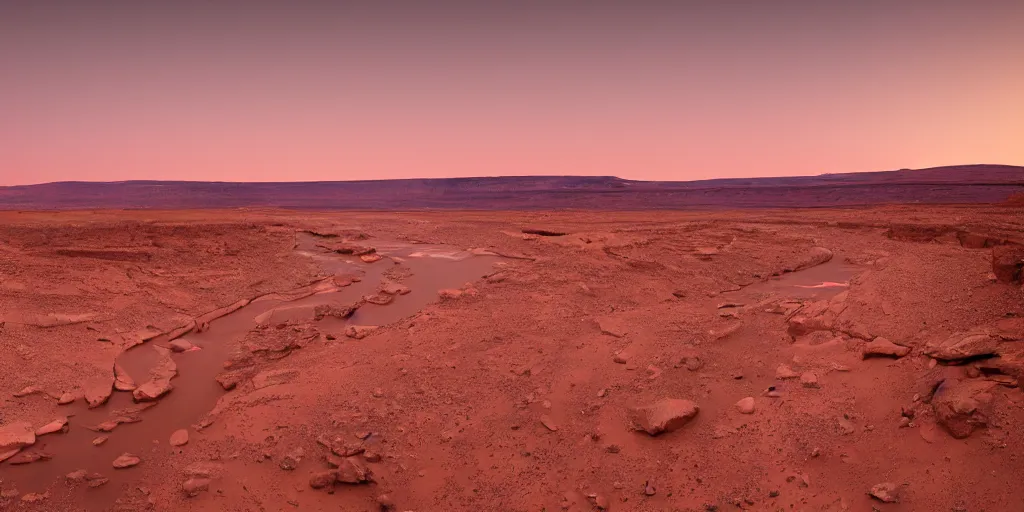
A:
{"points": [[834, 359]]}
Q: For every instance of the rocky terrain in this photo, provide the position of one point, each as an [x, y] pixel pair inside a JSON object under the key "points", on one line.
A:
{"points": [[809, 360], [962, 184]]}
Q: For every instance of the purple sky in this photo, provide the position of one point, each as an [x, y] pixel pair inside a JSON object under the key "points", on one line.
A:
{"points": [[317, 90]]}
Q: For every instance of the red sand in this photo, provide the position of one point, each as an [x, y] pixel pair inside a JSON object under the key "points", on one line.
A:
{"points": [[514, 391]]}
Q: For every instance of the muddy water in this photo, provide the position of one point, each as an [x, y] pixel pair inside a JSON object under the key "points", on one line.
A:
{"points": [[423, 269], [819, 282]]}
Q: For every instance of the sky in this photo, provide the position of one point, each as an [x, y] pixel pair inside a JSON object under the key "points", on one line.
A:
{"points": [[263, 90]]}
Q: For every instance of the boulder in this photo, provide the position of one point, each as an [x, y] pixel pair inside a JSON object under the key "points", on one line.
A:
{"points": [[665, 415], [322, 479], [962, 406], [179, 437], [746, 405], [353, 471], [784, 372], [885, 492], [881, 347]]}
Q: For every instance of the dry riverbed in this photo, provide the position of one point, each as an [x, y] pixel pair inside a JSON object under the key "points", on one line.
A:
{"points": [[765, 360]]}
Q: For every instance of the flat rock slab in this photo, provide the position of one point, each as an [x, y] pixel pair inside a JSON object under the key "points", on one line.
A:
{"points": [[392, 288], [57, 425], [123, 381], [612, 326], [964, 345], [126, 460], [152, 390], [30, 457], [274, 378], [17, 435]]}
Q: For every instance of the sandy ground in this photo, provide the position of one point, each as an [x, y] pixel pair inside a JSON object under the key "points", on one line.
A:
{"points": [[537, 387]]}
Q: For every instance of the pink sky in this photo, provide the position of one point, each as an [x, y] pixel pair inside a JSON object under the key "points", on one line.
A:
{"points": [[285, 91]]}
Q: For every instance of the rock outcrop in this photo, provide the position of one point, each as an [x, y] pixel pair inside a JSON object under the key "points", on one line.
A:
{"points": [[999, 339], [1008, 263], [881, 347], [812, 258]]}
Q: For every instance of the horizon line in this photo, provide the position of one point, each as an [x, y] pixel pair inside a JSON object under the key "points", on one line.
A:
{"points": [[505, 176]]}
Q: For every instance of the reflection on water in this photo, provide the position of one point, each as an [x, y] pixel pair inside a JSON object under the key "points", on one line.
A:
{"points": [[424, 269]]}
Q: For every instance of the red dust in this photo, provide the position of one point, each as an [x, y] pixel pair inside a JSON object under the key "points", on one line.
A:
{"points": [[834, 361]]}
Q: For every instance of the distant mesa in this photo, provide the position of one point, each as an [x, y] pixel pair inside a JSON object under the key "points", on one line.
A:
{"points": [[964, 184]]}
